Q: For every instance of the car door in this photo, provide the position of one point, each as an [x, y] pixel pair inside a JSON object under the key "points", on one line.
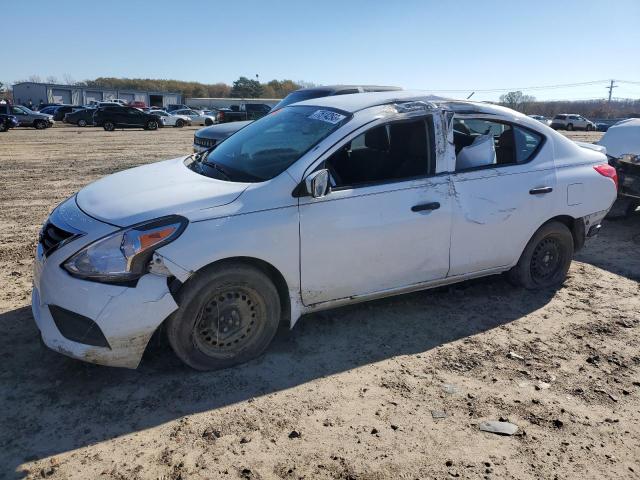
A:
{"points": [[23, 117], [504, 184], [385, 224]]}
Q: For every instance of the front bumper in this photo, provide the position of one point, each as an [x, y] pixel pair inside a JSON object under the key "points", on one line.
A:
{"points": [[126, 316]]}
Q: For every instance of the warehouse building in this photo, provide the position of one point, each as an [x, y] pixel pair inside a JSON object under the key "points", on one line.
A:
{"points": [[227, 102], [26, 93]]}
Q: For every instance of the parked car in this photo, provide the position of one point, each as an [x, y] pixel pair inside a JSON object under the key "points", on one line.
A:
{"points": [[567, 121], [244, 111], [330, 201], [138, 104], [62, 110], [209, 137], [50, 110], [622, 142], [541, 119], [176, 106], [172, 120], [112, 117], [26, 117], [81, 117], [42, 106], [7, 122], [196, 117]]}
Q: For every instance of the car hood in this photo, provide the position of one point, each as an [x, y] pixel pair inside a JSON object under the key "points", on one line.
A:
{"points": [[221, 131], [154, 190]]}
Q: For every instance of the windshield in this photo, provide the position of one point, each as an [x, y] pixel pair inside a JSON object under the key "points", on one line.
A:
{"points": [[299, 96], [267, 147]]}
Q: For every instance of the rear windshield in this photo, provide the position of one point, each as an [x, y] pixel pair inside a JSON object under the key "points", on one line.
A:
{"points": [[267, 147], [300, 96]]}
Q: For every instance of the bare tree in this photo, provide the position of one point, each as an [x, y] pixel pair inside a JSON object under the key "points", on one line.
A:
{"points": [[68, 79], [52, 79], [517, 101], [34, 79]]}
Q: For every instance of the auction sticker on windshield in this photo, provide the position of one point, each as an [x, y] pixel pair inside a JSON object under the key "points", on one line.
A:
{"points": [[327, 116]]}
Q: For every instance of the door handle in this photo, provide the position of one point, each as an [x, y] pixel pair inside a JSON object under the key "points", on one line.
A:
{"points": [[538, 191], [425, 206]]}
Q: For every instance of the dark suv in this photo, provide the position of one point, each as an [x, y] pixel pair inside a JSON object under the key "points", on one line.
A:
{"points": [[112, 116]]}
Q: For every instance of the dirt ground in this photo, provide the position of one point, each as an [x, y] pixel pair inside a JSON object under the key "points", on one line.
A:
{"points": [[354, 393]]}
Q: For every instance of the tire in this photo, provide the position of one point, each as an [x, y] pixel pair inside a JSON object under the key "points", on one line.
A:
{"points": [[151, 125], [3, 127], [570, 127], [179, 123], [40, 124], [109, 126], [82, 123], [243, 298], [545, 261], [588, 129], [208, 122]]}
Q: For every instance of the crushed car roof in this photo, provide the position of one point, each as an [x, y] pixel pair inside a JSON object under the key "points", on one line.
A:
{"points": [[359, 101]]}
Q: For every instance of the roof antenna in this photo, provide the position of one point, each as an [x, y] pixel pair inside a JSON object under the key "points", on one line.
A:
{"points": [[470, 95]]}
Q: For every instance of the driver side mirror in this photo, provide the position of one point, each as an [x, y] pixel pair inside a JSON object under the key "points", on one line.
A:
{"points": [[318, 183]]}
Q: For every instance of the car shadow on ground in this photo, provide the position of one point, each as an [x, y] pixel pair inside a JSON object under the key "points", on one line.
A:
{"points": [[52, 404]]}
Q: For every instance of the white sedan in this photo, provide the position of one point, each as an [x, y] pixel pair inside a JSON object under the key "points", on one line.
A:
{"points": [[196, 117], [331, 201], [172, 120]]}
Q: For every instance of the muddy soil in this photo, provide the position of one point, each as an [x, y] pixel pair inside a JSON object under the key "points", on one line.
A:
{"points": [[391, 389]]}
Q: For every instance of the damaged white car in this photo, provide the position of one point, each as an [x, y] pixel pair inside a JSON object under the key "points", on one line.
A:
{"points": [[323, 203]]}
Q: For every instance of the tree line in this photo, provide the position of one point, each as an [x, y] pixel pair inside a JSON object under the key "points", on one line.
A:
{"points": [[243, 87], [527, 104]]}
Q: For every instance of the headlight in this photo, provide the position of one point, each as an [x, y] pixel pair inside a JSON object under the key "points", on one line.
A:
{"points": [[124, 255]]}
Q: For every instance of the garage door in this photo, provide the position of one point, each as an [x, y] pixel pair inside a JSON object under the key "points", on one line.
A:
{"points": [[128, 97], [107, 96], [170, 100], [61, 96], [93, 97]]}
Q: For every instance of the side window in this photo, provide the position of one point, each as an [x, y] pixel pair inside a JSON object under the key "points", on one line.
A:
{"points": [[394, 151], [483, 143]]}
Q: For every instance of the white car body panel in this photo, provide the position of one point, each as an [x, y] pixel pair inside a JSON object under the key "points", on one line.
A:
{"points": [[351, 245], [622, 138]]}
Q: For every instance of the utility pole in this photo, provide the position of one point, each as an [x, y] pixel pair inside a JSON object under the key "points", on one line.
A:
{"points": [[610, 88]]}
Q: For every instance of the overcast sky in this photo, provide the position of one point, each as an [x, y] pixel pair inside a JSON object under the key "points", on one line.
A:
{"points": [[436, 45]]}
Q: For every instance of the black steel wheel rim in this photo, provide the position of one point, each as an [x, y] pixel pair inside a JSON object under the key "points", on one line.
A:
{"points": [[547, 260], [228, 322]]}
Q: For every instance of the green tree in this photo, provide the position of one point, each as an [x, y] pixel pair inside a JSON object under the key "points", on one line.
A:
{"points": [[246, 88]]}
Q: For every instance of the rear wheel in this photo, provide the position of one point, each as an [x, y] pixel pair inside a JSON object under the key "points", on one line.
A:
{"points": [[109, 126], [570, 126], [228, 315], [151, 125], [208, 122], [40, 124], [82, 123], [589, 128], [3, 127], [546, 258], [179, 123]]}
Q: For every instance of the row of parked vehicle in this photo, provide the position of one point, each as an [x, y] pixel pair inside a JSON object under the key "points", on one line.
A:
{"points": [[573, 121]]}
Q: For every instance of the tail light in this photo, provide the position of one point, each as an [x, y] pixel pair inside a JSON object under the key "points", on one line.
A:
{"points": [[220, 116], [607, 170]]}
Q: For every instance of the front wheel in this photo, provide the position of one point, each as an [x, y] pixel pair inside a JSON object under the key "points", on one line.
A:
{"points": [[3, 127], [589, 128], [179, 123], [109, 126], [208, 122], [151, 125], [570, 127], [228, 315], [82, 123], [546, 258], [40, 124]]}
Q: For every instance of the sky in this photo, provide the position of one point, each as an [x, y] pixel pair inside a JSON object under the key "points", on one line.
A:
{"points": [[451, 48]]}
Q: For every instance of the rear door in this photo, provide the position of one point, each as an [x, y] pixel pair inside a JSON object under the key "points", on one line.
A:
{"points": [[505, 188], [385, 224]]}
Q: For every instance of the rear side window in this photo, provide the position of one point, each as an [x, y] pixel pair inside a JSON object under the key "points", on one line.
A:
{"points": [[560, 117], [485, 143]]}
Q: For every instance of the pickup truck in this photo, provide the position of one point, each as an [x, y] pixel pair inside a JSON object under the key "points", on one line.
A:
{"points": [[206, 138], [240, 113], [26, 117]]}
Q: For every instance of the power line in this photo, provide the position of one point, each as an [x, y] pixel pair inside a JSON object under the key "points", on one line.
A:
{"points": [[538, 87]]}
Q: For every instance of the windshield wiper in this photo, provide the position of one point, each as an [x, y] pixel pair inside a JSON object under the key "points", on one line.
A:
{"points": [[217, 167]]}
